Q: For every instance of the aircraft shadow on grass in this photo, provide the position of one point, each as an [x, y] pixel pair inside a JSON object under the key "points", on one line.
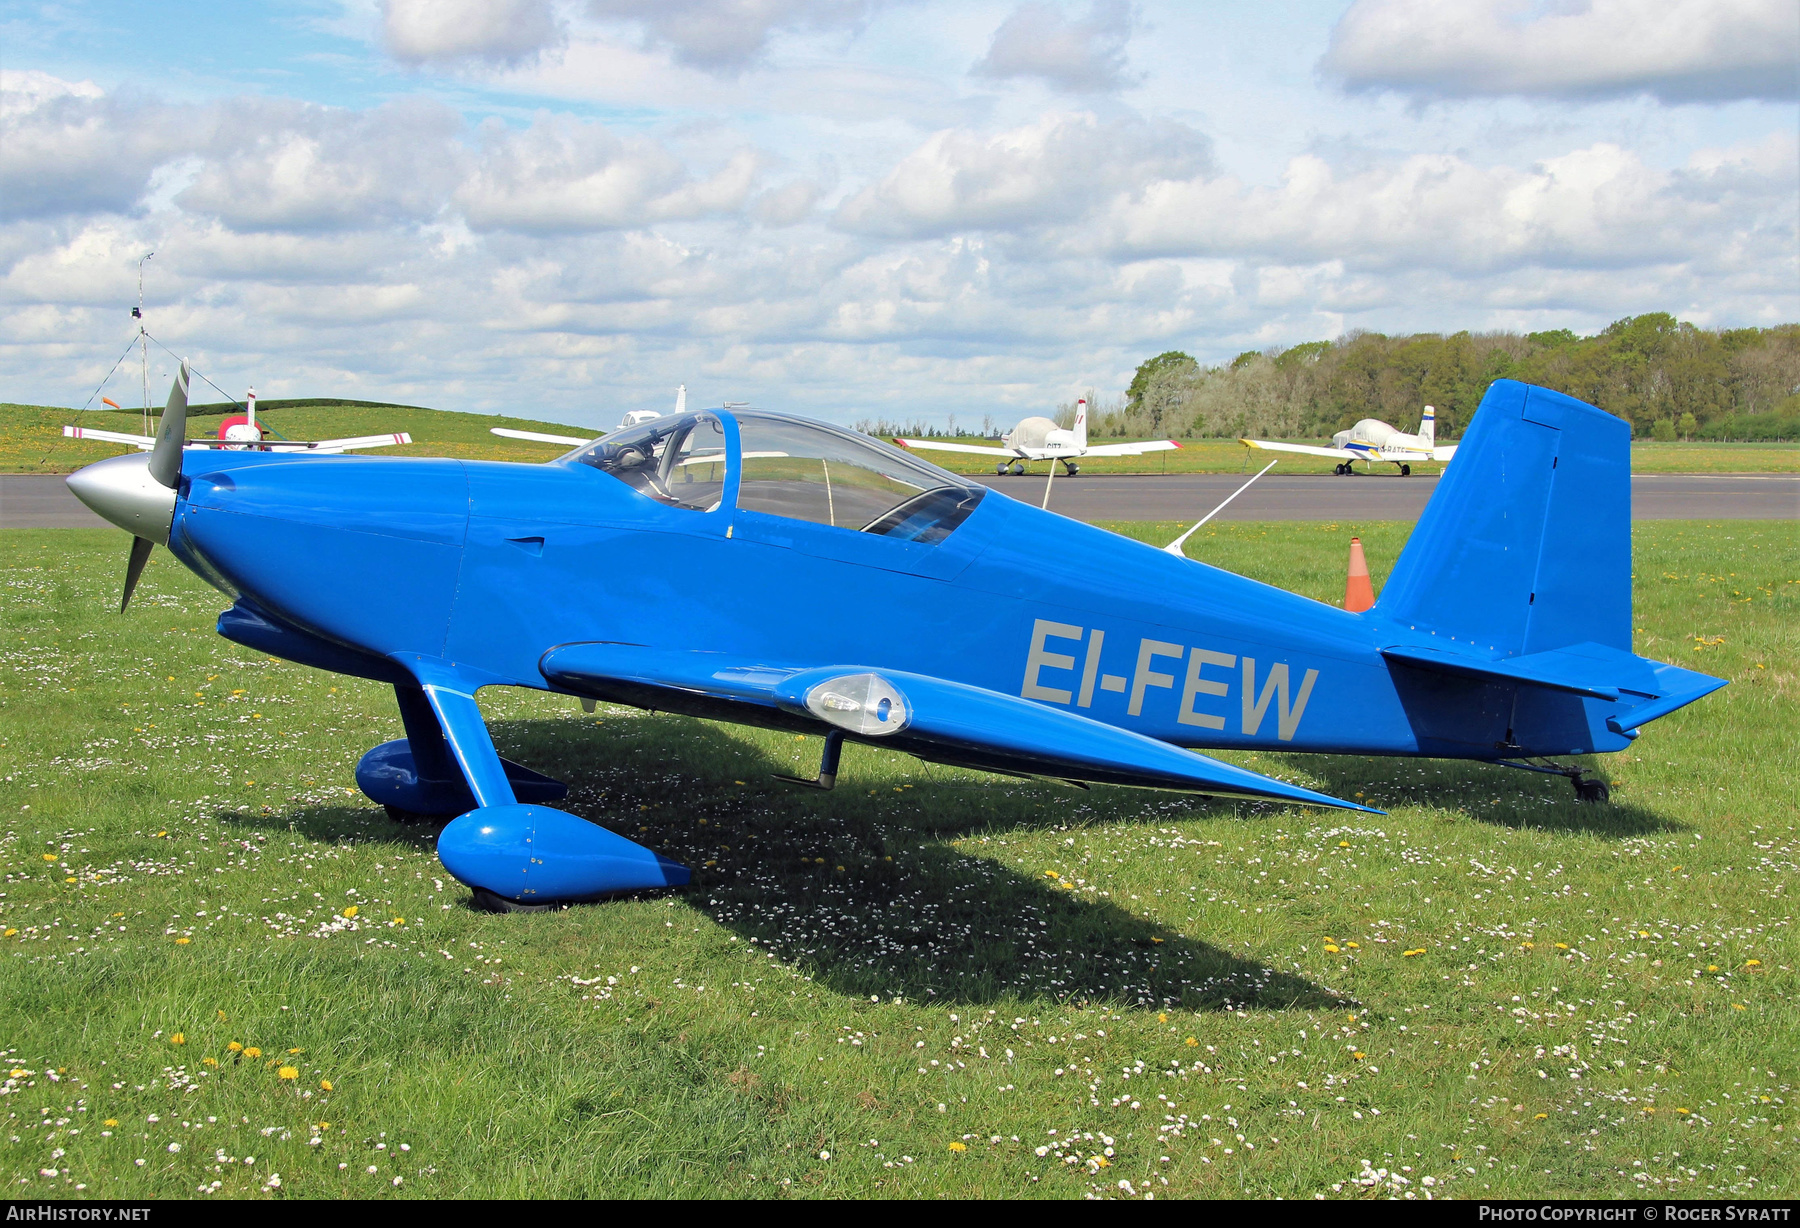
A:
{"points": [[1484, 792], [864, 892]]}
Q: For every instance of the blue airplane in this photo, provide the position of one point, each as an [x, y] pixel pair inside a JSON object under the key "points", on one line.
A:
{"points": [[768, 570]]}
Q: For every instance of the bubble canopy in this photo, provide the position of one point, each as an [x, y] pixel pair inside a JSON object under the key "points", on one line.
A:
{"points": [[790, 467]]}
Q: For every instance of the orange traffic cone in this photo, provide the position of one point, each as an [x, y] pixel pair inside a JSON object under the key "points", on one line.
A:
{"points": [[1359, 594]]}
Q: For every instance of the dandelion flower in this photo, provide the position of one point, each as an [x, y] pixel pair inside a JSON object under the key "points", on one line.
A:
{"points": [[222, 1018], [11, 932], [287, 1072], [399, 920], [1191, 1043], [179, 1038], [1414, 951], [236, 1046], [1161, 1018], [49, 856], [1712, 967], [183, 941], [1546, 1116], [1738, 1006], [325, 1085], [1331, 948], [1753, 963], [209, 1061], [959, 1146], [350, 911], [294, 1051], [1562, 946], [252, 1051], [110, 1122]]}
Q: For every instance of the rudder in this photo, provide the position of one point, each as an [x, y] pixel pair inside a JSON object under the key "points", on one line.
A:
{"points": [[1525, 545]]}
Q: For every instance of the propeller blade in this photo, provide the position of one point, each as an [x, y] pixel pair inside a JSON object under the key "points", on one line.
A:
{"points": [[134, 567], [171, 437]]}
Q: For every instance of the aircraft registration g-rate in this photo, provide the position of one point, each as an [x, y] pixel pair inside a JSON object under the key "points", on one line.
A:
{"points": [[761, 568]]}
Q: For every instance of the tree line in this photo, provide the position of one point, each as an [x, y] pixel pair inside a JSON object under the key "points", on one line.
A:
{"points": [[1667, 377]]}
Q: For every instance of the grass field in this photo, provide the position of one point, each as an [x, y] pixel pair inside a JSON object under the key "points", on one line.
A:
{"points": [[224, 973], [31, 439], [31, 442]]}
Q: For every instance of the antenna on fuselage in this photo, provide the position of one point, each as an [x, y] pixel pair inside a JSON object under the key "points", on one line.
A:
{"points": [[1175, 547]]}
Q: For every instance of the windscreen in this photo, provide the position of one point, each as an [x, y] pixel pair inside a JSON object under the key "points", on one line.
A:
{"points": [[676, 461]]}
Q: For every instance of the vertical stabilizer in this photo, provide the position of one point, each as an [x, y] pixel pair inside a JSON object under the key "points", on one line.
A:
{"points": [[1526, 543], [1428, 426], [1081, 423], [681, 399]]}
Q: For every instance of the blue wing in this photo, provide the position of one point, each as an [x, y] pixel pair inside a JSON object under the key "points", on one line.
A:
{"points": [[934, 719]]}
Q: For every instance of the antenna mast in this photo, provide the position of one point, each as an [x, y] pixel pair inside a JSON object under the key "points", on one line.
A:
{"points": [[137, 313]]}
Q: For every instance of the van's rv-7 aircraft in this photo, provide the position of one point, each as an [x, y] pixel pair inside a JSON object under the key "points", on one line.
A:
{"points": [[1371, 441], [241, 432], [763, 569], [1035, 439]]}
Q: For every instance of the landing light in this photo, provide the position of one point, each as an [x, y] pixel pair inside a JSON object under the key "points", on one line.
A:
{"points": [[861, 703]]}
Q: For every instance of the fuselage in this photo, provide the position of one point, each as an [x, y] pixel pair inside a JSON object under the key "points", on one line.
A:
{"points": [[489, 565]]}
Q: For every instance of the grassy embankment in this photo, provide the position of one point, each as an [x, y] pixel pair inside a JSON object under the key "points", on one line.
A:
{"points": [[31, 439], [31, 442], [926, 983]]}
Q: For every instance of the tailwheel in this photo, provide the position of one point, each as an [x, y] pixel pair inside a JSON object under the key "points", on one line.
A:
{"points": [[1589, 789]]}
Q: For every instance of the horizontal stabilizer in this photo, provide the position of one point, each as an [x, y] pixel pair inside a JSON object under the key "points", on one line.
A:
{"points": [[1649, 689], [935, 719]]}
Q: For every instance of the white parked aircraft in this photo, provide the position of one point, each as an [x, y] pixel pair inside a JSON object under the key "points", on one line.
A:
{"points": [[633, 417], [1370, 441], [1037, 439], [241, 432]]}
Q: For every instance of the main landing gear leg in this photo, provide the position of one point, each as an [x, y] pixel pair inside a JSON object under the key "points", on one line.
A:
{"points": [[514, 854], [1587, 788], [828, 764]]}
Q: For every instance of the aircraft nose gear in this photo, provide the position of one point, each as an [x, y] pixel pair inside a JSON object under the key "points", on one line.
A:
{"points": [[1071, 468]]}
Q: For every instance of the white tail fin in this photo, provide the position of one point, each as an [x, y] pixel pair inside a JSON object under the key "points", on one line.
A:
{"points": [[1428, 426], [1081, 423], [681, 399], [250, 406]]}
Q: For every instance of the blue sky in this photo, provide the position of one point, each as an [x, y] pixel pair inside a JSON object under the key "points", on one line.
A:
{"points": [[855, 208]]}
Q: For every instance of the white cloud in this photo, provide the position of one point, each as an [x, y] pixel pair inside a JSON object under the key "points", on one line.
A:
{"points": [[280, 165], [1596, 208], [1676, 50], [491, 31], [1082, 56], [727, 35], [67, 148], [562, 175], [1057, 170]]}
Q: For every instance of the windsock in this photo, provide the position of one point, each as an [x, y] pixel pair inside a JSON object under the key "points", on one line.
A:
{"points": [[1359, 594], [110, 401]]}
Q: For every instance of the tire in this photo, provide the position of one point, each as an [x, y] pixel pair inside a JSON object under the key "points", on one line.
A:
{"points": [[486, 901], [1406, 471], [1000, 470], [1590, 790]]}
